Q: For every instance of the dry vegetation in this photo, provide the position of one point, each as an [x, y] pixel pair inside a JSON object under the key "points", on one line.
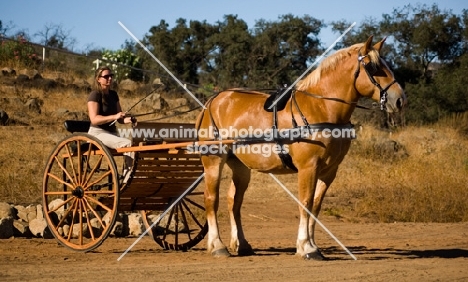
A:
{"points": [[422, 177]]}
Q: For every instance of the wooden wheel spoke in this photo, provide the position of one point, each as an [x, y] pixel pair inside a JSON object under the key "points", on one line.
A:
{"points": [[94, 212], [71, 161], [80, 221], [60, 180], [192, 215], [65, 170], [75, 208], [65, 215], [88, 220], [194, 203], [58, 193], [78, 174], [184, 219], [61, 205], [168, 223], [96, 166], [90, 192], [176, 229], [100, 204], [85, 167], [97, 180]]}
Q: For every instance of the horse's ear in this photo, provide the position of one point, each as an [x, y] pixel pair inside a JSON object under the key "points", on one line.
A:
{"points": [[368, 44], [379, 44]]}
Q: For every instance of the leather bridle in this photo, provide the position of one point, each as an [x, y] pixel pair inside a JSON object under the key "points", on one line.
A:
{"points": [[383, 91]]}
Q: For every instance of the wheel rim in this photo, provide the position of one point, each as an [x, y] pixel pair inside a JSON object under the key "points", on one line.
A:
{"points": [[183, 226], [80, 192]]}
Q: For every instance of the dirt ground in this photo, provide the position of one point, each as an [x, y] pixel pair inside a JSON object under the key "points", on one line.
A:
{"points": [[384, 252]]}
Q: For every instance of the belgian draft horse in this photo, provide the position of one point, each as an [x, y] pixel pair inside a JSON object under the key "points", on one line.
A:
{"points": [[323, 100]]}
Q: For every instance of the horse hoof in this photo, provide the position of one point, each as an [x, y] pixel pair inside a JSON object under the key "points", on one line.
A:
{"points": [[317, 255], [221, 253]]}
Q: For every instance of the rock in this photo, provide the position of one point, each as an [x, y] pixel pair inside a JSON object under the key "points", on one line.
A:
{"points": [[57, 206], [37, 227], [6, 210], [61, 111], [21, 229], [34, 105], [44, 83], [6, 228], [39, 212], [156, 102], [157, 82], [163, 222], [118, 228], [21, 213], [32, 212], [31, 74], [11, 101], [77, 229], [135, 223], [4, 118], [8, 72], [22, 78]]}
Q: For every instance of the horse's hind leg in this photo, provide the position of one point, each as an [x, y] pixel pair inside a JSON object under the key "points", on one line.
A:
{"points": [[240, 182], [213, 168]]}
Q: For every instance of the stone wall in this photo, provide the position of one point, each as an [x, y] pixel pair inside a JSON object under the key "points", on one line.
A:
{"points": [[29, 221]]}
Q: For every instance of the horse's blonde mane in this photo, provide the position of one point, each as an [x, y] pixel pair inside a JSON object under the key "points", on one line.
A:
{"points": [[330, 63]]}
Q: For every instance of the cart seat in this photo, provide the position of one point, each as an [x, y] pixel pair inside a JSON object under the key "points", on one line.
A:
{"points": [[77, 125]]}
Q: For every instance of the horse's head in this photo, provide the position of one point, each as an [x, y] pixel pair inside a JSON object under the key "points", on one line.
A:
{"points": [[373, 78]]}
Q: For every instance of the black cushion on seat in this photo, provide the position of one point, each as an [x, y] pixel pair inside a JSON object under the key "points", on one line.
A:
{"points": [[77, 125]]}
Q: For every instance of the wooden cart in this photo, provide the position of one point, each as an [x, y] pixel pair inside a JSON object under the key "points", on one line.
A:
{"points": [[84, 193]]}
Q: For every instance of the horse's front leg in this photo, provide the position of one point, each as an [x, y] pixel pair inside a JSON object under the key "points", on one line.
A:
{"points": [[306, 248], [240, 182], [213, 167]]}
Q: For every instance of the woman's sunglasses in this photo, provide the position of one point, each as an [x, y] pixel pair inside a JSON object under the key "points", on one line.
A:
{"points": [[107, 76]]}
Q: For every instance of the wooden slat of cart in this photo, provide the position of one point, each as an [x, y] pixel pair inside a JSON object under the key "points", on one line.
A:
{"points": [[160, 176]]}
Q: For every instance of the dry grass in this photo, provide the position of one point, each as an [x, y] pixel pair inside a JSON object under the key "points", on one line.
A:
{"points": [[425, 183], [424, 180]]}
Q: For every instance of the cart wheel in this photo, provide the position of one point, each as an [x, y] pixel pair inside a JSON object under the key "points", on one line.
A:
{"points": [[183, 226], [80, 192]]}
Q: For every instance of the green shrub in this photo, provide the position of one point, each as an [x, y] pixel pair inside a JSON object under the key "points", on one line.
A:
{"points": [[19, 53]]}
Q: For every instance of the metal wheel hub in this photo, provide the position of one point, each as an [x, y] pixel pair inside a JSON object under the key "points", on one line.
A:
{"points": [[78, 192]]}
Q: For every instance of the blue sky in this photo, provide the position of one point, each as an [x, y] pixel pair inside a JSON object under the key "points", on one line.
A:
{"points": [[95, 23]]}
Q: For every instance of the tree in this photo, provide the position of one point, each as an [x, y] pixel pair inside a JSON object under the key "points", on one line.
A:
{"points": [[423, 35], [5, 29], [184, 49], [56, 36], [281, 50]]}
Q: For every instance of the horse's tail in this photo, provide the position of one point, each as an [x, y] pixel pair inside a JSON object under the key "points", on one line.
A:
{"points": [[201, 116]]}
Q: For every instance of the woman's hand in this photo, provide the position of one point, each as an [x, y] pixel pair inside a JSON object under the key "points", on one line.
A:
{"points": [[130, 119], [118, 116]]}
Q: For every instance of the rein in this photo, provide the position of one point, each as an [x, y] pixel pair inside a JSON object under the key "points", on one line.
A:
{"points": [[334, 99]]}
